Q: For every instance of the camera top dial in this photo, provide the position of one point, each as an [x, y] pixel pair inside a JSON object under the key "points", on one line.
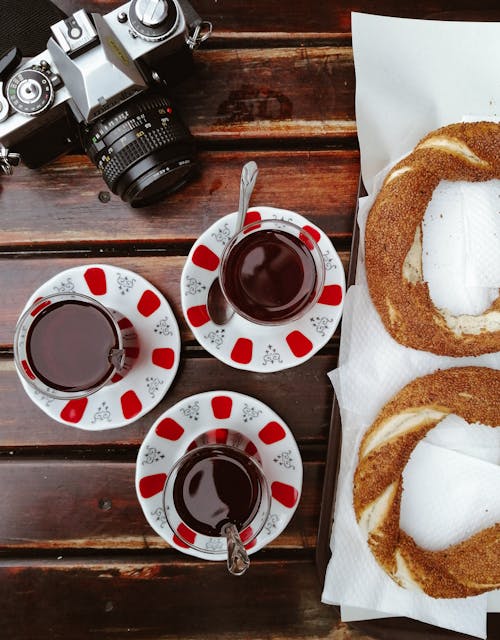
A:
{"points": [[152, 20], [151, 13], [30, 91]]}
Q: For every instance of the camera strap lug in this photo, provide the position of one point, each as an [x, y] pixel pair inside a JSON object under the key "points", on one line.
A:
{"points": [[199, 34], [198, 29], [8, 160]]}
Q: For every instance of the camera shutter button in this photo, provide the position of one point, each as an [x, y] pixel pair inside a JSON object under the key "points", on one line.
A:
{"points": [[151, 12]]}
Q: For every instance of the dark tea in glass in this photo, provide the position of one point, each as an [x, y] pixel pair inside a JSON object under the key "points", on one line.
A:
{"points": [[211, 486], [217, 486], [272, 272], [67, 345]]}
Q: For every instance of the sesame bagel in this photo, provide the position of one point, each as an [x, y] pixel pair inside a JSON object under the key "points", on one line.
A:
{"points": [[393, 242], [468, 568]]}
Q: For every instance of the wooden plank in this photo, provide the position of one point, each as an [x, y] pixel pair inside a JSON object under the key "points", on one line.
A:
{"points": [[24, 424], [290, 92], [20, 278], [59, 205], [158, 598], [154, 597], [54, 504], [304, 20]]}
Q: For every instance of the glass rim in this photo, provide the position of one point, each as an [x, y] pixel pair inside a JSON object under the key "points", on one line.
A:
{"points": [[266, 496], [315, 251], [43, 387]]}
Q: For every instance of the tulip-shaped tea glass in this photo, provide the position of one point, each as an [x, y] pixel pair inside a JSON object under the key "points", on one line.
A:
{"points": [[68, 345], [216, 497], [272, 272]]}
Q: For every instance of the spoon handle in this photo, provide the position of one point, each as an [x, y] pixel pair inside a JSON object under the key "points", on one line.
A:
{"points": [[237, 557], [247, 183]]}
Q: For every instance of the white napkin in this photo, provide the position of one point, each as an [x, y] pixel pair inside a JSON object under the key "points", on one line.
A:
{"points": [[374, 367], [460, 243], [413, 76], [410, 79], [449, 496]]}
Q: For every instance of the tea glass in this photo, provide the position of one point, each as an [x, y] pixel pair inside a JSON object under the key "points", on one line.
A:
{"points": [[272, 272], [59, 346], [199, 524]]}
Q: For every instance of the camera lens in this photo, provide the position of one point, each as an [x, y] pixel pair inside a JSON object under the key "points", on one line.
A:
{"points": [[142, 148]]}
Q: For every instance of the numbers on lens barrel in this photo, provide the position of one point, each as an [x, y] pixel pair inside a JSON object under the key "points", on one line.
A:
{"points": [[30, 92]]}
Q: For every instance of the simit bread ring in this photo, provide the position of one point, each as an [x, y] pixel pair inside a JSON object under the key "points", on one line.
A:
{"points": [[393, 242], [468, 568]]}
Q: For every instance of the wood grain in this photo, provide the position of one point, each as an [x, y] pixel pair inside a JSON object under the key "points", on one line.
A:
{"points": [[296, 92], [59, 205], [93, 505], [153, 596], [158, 597], [307, 20], [22, 276], [24, 424]]}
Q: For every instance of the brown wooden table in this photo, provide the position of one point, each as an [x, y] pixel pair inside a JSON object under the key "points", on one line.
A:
{"points": [[276, 84]]}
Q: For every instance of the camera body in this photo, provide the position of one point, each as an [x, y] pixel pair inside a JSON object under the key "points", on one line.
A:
{"points": [[101, 84]]}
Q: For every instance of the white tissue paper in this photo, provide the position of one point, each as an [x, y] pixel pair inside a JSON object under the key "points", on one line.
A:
{"points": [[408, 73]]}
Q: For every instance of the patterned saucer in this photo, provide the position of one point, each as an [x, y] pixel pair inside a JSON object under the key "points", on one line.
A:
{"points": [[243, 344], [152, 346], [222, 413]]}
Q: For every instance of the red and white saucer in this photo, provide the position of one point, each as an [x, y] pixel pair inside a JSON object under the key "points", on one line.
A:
{"points": [[152, 346], [243, 344], [225, 415]]}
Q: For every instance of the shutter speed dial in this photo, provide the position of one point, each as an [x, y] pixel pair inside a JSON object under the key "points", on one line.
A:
{"points": [[151, 12], [30, 92], [152, 20]]}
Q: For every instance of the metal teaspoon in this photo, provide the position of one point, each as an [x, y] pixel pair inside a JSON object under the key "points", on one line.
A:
{"points": [[219, 309]]}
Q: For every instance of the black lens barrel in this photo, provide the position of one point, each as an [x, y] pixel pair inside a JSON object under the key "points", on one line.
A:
{"points": [[143, 149]]}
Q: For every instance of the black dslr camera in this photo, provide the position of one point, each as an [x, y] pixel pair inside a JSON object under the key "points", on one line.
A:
{"points": [[101, 85]]}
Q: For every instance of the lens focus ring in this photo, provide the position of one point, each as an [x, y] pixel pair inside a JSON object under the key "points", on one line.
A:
{"points": [[138, 148], [142, 148]]}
